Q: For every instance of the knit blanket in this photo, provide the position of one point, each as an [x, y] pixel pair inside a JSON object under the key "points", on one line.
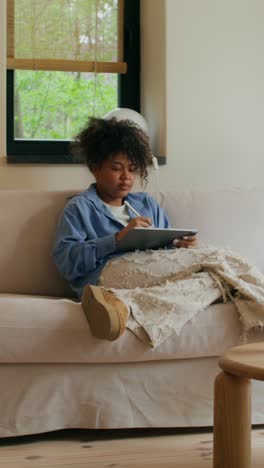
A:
{"points": [[167, 288]]}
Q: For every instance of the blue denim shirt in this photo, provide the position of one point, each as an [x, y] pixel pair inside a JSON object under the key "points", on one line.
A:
{"points": [[85, 238]]}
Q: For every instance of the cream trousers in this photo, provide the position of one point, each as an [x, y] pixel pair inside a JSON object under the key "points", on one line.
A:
{"points": [[162, 289]]}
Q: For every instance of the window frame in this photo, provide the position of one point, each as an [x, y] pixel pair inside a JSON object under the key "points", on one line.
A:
{"points": [[57, 152]]}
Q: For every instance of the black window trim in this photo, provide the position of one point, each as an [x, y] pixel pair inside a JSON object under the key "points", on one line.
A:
{"points": [[57, 152]]}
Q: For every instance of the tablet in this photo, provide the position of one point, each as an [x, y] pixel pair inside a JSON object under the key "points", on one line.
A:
{"points": [[151, 238]]}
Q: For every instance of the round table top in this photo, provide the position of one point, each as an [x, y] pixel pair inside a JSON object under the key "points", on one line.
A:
{"points": [[244, 361]]}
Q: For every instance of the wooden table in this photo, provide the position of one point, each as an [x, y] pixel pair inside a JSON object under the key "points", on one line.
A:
{"points": [[232, 405]]}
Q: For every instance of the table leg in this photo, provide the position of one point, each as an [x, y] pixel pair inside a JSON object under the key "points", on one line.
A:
{"points": [[232, 422]]}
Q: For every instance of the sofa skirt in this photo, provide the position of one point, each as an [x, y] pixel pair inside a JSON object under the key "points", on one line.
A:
{"points": [[43, 398]]}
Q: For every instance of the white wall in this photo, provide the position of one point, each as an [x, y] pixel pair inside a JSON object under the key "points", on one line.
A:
{"points": [[153, 72], [215, 93], [211, 97]]}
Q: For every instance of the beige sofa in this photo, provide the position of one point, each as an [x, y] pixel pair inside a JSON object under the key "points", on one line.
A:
{"points": [[54, 374]]}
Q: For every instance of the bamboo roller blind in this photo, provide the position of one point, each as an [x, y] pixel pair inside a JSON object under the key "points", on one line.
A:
{"points": [[65, 35]]}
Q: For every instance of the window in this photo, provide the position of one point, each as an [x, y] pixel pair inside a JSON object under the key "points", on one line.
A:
{"points": [[67, 59]]}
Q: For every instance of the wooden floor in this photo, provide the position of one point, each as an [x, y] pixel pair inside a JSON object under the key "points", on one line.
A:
{"points": [[118, 449]]}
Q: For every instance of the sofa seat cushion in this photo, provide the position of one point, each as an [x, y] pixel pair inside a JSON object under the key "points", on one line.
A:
{"points": [[35, 329]]}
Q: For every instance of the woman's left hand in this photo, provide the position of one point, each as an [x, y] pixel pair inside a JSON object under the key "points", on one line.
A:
{"points": [[187, 242]]}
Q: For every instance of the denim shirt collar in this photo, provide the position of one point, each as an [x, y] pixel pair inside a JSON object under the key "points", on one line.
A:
{"points": [[100, 206]]}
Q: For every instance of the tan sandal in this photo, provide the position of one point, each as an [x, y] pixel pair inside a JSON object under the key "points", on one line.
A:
{"points": [[106, 313]]}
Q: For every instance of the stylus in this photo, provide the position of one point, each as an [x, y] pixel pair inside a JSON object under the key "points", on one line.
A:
{"points": [[131, 208]]}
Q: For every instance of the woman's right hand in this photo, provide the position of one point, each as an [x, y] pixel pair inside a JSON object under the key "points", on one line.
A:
{"points": [[140, 221]]}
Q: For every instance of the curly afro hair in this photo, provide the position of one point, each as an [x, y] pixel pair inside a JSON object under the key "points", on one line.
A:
{"points": [[101, 139]]}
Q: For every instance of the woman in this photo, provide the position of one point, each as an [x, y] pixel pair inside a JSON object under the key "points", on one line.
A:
{"points": [[94, 221]]}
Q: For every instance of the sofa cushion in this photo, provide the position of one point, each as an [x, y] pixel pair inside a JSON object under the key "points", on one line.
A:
{"points": [[27, 231], [231, 219], [49, 330]]}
